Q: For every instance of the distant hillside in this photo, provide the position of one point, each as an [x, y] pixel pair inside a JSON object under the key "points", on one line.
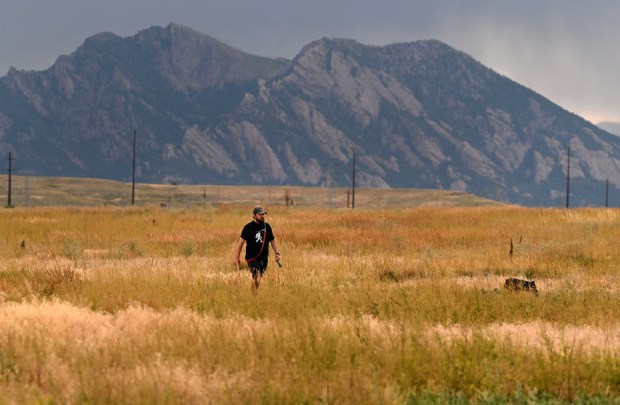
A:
{"points": [[77, 118], [418, 115], [36, 191]]}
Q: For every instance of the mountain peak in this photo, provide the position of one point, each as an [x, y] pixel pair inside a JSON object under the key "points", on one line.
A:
{"points": [[180, 27], [176, 29], [102, 37], [179, 33]]}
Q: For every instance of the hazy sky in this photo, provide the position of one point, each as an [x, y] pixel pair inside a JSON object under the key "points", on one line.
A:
{"points": [[563, 49]]}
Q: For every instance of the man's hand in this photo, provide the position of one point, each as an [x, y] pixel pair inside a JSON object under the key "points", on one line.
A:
{"points": [[238, 252]]}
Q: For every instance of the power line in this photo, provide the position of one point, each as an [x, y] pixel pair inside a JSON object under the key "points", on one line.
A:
{"points": [[353, 182], [9, 205], [568, 178]]}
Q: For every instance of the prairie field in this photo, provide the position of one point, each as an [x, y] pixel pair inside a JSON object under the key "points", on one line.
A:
{"points": [[143, 305], [41, 191]]}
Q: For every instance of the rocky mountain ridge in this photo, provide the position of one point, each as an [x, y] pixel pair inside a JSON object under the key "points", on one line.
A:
{"points": [[418, 114]]}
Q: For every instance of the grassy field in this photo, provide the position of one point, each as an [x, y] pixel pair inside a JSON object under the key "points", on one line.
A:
{"points": [[131, 305], [33, 191]]}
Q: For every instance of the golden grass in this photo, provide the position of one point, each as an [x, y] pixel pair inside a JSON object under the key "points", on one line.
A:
{"points": [[178, 350], [144, 305]]}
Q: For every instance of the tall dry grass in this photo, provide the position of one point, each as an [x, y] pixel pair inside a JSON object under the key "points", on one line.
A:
{"points": [[144, 305]]}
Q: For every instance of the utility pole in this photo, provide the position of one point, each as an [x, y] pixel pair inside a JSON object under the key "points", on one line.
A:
{"points": [[607, 193], [10, 180], [353, 182], [568, 178], [133, 181]]}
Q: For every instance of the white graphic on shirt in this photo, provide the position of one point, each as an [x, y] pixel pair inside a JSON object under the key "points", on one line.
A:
{"points": [[259, 237]]}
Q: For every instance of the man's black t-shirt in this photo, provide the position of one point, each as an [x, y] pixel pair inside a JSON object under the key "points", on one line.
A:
{"points": [[254, 235]]}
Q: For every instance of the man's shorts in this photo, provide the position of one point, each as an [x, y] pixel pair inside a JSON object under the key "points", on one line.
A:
{"points": [[258, 267]]}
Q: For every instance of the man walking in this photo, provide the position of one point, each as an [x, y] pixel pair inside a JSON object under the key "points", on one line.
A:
{"points": [[257, 234]]}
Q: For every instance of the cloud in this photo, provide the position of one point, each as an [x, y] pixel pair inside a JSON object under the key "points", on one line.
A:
{"points": [[563, 50]]}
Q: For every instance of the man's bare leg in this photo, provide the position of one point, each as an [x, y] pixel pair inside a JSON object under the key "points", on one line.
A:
{"points": [[256, 280]]}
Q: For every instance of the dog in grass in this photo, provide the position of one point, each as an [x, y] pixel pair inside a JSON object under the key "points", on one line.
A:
{"points": [[515, 284]]}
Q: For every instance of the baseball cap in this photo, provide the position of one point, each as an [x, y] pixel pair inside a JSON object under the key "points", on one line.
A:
{"points": [[259, 210]]}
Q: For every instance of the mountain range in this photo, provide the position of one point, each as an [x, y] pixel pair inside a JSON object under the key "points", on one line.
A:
{"points": [[417, 115]]}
